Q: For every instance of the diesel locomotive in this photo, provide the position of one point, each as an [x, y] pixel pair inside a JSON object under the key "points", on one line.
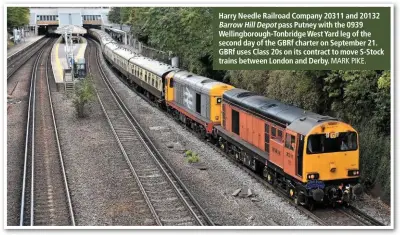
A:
{"points": [[314, 158]]}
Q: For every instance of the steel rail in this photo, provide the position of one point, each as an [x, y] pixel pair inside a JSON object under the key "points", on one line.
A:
{"points": [[149, 145], [31, 108], [141, 188], [71, 211]]}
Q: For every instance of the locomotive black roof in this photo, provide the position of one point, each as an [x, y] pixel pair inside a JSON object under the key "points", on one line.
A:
{"points": [[297, 119]]}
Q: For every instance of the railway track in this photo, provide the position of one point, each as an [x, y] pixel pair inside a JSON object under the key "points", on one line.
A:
{"points": [[15, 61], [168, 199], [350, 216], [45, 198]]}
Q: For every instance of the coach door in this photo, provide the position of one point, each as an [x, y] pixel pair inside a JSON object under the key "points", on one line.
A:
{"points": [[289, 160]]}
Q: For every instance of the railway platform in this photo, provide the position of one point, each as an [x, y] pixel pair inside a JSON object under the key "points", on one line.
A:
{"points": [[24, 44], [59, 57]]}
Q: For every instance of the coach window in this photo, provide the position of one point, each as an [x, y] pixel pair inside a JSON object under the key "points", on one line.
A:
{"points": [[171, 82], [266, 137]]}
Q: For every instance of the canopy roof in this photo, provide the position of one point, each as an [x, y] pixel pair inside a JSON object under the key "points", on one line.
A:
{"points": [[74, 29]]}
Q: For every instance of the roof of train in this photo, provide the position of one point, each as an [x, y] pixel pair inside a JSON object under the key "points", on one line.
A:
{"points": [[296, 119], [202, 83], [151, 65]]}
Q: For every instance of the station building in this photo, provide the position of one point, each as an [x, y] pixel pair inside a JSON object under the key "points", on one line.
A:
{"points": [[45, 20]]}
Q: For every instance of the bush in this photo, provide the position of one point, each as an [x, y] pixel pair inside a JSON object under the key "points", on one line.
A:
{"points": [[84, 93], [375, 161]]}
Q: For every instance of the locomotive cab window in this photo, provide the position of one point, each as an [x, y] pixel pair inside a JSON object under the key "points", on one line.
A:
{"points": [[332, 142], [280, 136], [223, 115], [235, 122], [290, 141], [198, 103], [273, 132], [266, 137], [171, 82]]}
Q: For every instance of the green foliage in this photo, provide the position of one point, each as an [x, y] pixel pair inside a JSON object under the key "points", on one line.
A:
{"points": [[193, 158], [84, 94], [381, 117], [17, 17], [114, 15], [375, 159], [253, 80], [119, 15], [293, 87], [188, 153], [125, 13], [186, 31]]}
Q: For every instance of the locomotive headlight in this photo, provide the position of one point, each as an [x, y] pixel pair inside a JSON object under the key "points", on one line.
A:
{"points": [[353, 173], [219, 100], [313, 176]]}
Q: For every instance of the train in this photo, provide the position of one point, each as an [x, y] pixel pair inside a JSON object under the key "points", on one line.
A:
{"points": [[311, 157]]}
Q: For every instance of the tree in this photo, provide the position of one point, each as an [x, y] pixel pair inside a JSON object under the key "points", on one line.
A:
{"points": [[17, 17], [84, 94], [119, 15], [186, 31], [382, 100], [114, 15]]}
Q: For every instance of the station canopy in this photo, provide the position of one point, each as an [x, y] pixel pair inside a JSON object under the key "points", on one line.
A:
{"points": [[74, 29]]}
